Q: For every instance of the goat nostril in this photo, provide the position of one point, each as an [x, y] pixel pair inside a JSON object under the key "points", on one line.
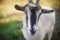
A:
{"points": [[32, 31]]}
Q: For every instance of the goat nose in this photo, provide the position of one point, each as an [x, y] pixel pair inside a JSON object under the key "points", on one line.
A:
{"points": [[32, 31]]}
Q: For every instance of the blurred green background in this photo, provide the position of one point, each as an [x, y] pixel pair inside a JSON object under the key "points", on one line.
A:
{"points": [[11, 31], [11, 19]]}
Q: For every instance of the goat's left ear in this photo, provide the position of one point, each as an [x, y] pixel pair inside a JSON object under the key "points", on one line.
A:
{"points": [[19, 7], [47, 11]]}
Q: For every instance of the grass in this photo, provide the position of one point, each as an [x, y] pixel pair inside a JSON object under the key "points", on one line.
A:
{"points": [[11, 31]]}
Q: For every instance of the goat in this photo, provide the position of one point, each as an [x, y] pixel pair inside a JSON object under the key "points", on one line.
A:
{"points": [[37, 21]]}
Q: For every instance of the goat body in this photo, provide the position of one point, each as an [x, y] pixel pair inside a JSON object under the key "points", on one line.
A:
{"points": [[38, 21], [45, 25]]}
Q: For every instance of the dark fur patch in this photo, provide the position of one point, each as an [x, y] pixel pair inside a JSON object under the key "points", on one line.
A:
{"points": [[33, 20]]}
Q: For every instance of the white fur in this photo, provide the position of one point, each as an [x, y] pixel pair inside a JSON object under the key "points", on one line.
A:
{"points": [[43, 26], [32, 5]]}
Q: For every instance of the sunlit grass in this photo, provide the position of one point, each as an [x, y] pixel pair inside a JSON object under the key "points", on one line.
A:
{"points": [[52, 3], [7, 8]]}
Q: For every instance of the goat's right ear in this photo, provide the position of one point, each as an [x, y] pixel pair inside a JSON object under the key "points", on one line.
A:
{"points": [[17, 7]]}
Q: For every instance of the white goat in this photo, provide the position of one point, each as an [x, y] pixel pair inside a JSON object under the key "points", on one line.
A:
{"points": [[37, 22]]}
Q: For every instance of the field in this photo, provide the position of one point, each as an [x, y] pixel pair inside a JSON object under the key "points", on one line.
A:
{"points": [[11, 19], [9, 13], [11, 31]]}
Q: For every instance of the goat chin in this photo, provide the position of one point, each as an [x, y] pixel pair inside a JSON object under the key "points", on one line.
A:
{"points": [[45, 26]]}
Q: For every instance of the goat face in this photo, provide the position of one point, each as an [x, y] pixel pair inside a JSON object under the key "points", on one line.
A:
{"points": [[33, 12]]}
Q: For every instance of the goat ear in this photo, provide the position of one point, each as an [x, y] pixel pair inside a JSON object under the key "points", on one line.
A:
{"points": [[19, 7], [47, 11]]}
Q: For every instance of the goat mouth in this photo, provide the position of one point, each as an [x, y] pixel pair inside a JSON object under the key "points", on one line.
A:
{"points": [[32, 32]]}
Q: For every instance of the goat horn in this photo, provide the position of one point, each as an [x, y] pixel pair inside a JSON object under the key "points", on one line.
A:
{"points": [[37, 2], [30, 1]]}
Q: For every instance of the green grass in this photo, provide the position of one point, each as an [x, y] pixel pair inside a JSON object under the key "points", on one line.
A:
{"points": [[11, 31]]}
